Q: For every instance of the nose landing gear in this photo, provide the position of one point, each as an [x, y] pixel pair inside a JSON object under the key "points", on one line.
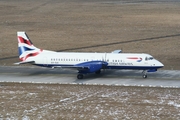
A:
{"points": [[144, 74]]}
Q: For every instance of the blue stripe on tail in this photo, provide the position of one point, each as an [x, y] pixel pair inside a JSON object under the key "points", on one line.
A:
{"points": [[24, 49]]}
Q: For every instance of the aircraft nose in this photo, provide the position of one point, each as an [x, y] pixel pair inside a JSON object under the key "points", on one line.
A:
{"points": [[160, 64]]}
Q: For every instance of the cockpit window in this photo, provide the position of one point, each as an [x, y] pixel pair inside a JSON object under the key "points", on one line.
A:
{"points": [[146, 58], [149, 58]]}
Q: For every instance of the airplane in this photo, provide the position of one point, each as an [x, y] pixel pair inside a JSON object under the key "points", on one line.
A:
{"points": [[84, 62]]}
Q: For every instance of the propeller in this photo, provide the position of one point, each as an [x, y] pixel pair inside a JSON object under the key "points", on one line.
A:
{"points": [[104, 63]]}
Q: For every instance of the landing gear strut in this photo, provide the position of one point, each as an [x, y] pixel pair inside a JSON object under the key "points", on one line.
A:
{"points": [[144, 74], [80, 76]]}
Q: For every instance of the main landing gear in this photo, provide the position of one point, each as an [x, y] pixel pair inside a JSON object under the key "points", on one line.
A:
{"points": [[80, 76], [98, 72], [144, 74]]}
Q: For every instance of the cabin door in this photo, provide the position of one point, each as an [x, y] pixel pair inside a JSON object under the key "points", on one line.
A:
{"points": [[45, 62]]}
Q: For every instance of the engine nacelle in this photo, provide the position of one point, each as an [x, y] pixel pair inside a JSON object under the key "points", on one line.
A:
{"points": [[93, 66], [152, 70]]}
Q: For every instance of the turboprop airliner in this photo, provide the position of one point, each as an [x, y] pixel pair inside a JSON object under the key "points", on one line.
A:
{"points": [[84, 63]]}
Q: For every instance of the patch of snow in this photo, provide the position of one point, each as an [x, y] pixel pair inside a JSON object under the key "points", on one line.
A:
{"points": [[25, 118], [173, 104], [64, 99]]}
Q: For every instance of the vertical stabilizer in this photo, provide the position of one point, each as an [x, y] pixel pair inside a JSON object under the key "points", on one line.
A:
{"points": [[26, 47]]}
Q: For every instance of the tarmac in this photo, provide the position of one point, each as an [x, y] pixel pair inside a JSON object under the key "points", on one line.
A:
{"points": [[161, 78]]}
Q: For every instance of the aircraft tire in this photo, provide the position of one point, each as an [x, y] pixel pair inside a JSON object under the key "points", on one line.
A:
{"points": [[80, 76], [144, 76]]}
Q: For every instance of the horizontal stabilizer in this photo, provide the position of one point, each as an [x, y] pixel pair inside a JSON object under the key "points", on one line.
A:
{"points": [[116, 51], [24, 62]]}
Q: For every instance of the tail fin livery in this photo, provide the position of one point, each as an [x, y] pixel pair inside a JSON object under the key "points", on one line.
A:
{"points": [[26, 47]]}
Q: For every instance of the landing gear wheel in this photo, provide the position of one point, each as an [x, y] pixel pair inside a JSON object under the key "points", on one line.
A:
{"points": [[144, 76], [80, 76], [98, 72]]}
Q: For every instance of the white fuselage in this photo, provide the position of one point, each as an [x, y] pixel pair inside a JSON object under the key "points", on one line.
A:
{"points": [[115, 61]]}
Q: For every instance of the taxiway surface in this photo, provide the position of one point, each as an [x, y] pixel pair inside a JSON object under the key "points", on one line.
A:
{"points": [[167, 78]]}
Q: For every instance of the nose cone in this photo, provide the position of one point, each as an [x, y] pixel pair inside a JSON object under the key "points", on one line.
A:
{"points": [[159, 64]]}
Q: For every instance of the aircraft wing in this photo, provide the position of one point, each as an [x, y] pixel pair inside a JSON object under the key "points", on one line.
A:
{"points": [[73, 67], [24, 62], [86, 67]]}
